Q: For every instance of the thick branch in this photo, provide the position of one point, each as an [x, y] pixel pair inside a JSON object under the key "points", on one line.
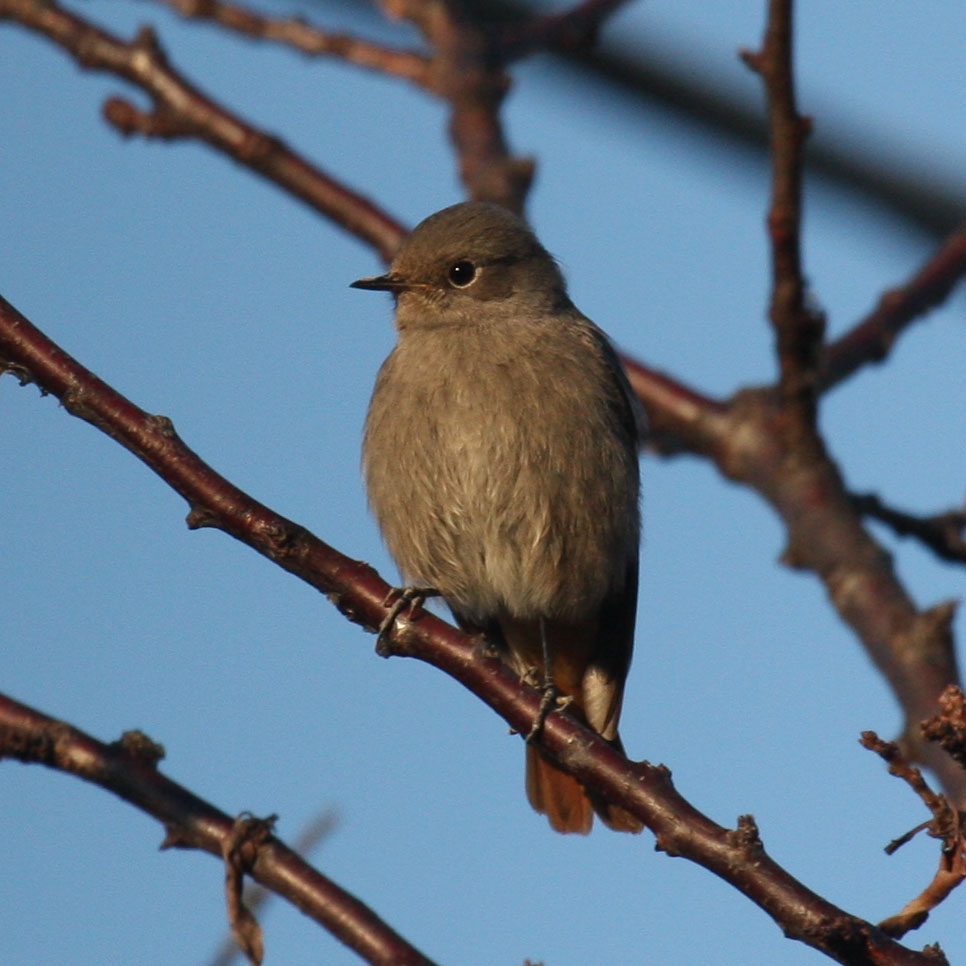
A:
{"points": [[182, 111], [359, 592], [747, 440], [798, 327], [872, 339], [680, 418], [913, 649], [128, 768]]}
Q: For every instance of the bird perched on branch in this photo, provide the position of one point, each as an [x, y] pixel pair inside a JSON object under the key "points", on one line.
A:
{"points": [[500, 458]]}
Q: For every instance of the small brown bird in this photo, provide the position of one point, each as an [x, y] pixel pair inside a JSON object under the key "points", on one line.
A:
{"points": [[500, 458]]}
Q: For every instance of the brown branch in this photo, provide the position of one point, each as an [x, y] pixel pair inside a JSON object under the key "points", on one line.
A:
{"points": [[746, 439], [643, 789], [658, 73], [770, 442], [180, 110], [129, 769], [943, 533], [913, 649], [258, 896], [574, 30], [872, 339], [798, 327], [680, 419], [948, 728], [946, 825], [296, 33], [467, 72]]}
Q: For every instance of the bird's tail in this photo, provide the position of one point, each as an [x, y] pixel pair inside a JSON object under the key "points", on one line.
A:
{"points": [[566, 803]]}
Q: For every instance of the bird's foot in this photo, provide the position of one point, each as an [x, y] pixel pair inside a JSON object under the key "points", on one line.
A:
{"points": [[552, 700], [401, 598]]}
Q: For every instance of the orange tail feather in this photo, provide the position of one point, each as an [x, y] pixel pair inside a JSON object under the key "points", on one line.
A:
{"points": [[565, 801]]}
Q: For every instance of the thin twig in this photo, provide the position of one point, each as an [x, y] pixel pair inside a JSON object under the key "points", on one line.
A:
{"points": [[258, 897], [296, 33], [943, 533], [872, 339], [946, 824], [798, 327]]}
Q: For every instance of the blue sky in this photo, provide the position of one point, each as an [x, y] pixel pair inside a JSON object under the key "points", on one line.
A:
{"points": [[209, 296]]}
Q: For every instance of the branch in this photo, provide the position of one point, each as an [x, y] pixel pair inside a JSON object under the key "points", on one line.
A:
{"points": [[258, 897], [468, 74], [798, 327], [574, 30], [948, 728], [872, 339], [659, 74], [646, 791], [771, 442], [746, 439], [943, 533], [680, 418], [296, 33], [129, 769], [180, 110], [946, 825], [914, 649]]}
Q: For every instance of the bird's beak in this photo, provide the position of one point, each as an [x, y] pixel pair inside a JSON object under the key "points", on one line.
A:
{"points": [[381, 283]]}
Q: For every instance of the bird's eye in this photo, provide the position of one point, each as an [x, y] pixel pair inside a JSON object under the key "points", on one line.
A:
{"points": [[462, 273]]}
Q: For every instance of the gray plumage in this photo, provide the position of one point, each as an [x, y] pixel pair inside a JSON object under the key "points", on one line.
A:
{"points": [[500, 457]]}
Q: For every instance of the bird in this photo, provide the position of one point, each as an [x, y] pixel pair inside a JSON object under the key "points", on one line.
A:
{"points": [[500, 457]]}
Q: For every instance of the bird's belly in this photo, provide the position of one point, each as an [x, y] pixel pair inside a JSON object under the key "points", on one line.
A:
{"points": [[495, 527]]}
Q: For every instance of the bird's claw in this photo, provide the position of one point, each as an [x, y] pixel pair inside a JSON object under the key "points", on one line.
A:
{"points": [[401, 598], [552, 700]]}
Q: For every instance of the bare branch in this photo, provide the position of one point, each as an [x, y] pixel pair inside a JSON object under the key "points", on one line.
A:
{"points": [[571, 31], [642, 789], [798, 327], [946, 825], [468, 74], [680, 418], [948, 728], [872, 339], [943, 533], [913, 649], [182, 111], [659, 74], [746, 438], [296, 33], [128, 768], [257, 897]]}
